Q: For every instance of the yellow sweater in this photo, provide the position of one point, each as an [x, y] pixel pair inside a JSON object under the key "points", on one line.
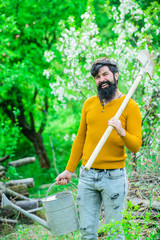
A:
{"points": [[94, 122]]}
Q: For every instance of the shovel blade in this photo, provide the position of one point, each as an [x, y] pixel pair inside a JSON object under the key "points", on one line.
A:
{"points": [[147, 62]]}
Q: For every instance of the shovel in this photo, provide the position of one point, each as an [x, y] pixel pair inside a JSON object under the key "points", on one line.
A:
{"points": [[147, 67]]}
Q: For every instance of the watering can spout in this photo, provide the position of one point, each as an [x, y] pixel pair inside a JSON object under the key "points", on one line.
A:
{"points": [[5, 203]]}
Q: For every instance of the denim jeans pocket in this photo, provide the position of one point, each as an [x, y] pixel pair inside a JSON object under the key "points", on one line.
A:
{"points": [[117, 173], [83, 172]]}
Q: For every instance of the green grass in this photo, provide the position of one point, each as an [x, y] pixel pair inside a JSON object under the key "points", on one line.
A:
{"points": [[34, 232]]}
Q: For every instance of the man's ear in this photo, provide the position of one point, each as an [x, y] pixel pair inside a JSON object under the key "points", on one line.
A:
{"points": [[116, 75]]}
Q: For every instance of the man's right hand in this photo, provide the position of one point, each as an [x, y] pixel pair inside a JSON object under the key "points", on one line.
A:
{"points": [[64, 178]]}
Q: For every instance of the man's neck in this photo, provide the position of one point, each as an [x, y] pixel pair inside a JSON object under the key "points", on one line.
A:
{"points": [[118, 94]]}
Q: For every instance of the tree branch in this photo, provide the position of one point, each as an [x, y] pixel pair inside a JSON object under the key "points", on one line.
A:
{"points": [[32, 122], [35, 94], [44, 120]]}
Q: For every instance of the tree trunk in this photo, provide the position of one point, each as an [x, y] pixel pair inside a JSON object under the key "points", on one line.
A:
{"points": [[36, 139], [29, 129], [41, 151]]}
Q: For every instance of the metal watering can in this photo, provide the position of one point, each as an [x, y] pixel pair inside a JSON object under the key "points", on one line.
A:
{"points": [[60, 212]]}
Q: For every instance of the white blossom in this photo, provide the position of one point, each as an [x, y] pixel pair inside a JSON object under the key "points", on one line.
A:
{"points": [[66, 137], [157, 31], [49, 55], [73, 137], [47, 73]]}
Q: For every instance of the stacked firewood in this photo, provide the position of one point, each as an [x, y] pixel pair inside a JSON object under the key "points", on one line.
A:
{"points": [[17, 190]]}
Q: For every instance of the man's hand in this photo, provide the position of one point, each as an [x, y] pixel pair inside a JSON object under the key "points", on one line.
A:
{"points": [[116, 124], [64, 178]]}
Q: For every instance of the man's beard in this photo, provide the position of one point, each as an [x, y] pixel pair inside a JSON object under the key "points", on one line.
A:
{"points": [[107, 93]]}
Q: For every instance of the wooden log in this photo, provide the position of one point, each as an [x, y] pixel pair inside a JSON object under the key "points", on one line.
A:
{"points": [[8, 212], [8, 220], [28, 181], [2, 186], [2, 168], [11, 193], [20, 188], [4, 158], [35, 209], [27, 205], [154, 205], [2, 173], [22, 162], [136, 201]]}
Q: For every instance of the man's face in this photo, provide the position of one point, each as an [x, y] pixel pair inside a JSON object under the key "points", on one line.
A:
{"points": [[103, 75], [106, 83]]}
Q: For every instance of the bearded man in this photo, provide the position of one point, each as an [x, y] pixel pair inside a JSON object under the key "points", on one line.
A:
{"points": [[106, 181]]}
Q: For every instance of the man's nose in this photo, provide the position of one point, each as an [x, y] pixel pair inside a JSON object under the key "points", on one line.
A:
{"points": [[102, 78]]}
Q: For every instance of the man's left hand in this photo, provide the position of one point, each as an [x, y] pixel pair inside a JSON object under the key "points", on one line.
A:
{"points": [[116, 124]]}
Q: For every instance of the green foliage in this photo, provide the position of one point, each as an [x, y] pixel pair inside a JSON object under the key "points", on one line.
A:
{"points": [[62, 131], [28, 30], [12, 173], [9, 136], [40, 175], [132, 227]]}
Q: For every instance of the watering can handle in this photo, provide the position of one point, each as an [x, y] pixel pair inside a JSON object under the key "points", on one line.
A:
{"points": [[54, 184]]}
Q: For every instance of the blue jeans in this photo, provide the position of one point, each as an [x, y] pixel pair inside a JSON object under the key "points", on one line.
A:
{"points": [[95, 187]]}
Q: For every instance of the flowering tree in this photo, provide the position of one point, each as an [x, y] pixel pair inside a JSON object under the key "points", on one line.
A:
{"points": [[136, 30], [79, 47]]}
